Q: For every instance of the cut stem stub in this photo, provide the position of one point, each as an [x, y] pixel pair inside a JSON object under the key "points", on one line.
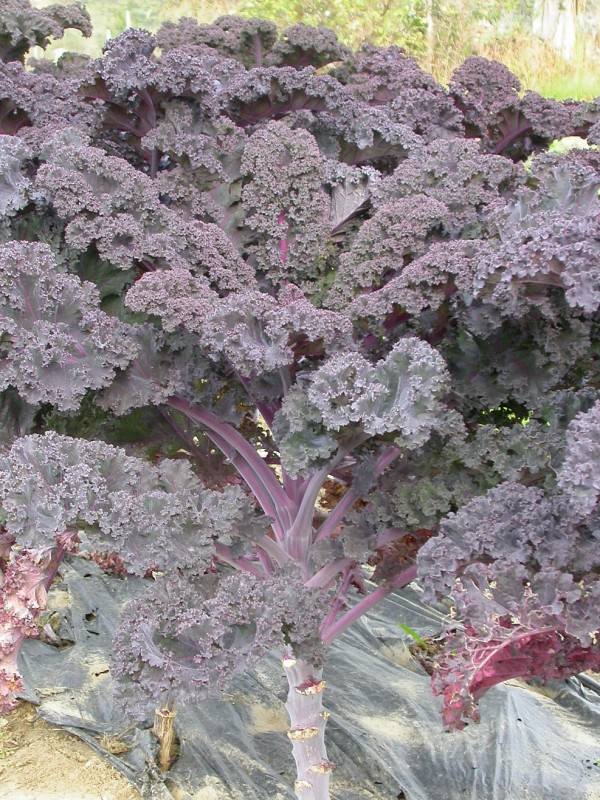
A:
{"points": [[164, 731]]}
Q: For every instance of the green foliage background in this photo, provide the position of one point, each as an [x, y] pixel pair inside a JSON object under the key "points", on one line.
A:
{"points": [[440, 33]]}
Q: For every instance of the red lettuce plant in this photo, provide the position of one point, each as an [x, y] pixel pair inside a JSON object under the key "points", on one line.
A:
{"points": [[329, 268]]}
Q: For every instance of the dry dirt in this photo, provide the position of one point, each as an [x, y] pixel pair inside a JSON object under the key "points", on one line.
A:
{"points": [[41, 762]]}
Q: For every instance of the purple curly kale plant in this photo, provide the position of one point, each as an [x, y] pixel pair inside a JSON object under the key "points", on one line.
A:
{"points": [[344, 280]]}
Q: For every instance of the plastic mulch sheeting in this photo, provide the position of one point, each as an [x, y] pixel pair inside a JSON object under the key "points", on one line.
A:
{"points": [[384, 734]]}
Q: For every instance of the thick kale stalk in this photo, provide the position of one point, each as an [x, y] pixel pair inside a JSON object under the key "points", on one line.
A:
{"points": [[307, 728]]}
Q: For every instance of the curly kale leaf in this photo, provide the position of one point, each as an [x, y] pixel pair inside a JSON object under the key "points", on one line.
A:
{"points": [[523, 576], [187, 637], [23, 27], [349, 398], [286, 204], [56, 343], [22, 596], [153, 517], [14, 184], [399, 394], [254, 331], [400, 230], [579, 475], [458, 174]]}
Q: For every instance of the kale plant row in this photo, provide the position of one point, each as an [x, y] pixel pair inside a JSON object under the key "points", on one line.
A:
{"points": [[375, 297]]}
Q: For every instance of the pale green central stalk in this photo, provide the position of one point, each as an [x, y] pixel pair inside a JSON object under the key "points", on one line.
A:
{"points": [[307, 729]]}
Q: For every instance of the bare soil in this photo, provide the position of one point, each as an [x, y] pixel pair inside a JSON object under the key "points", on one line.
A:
{"points": [[41, 762]]}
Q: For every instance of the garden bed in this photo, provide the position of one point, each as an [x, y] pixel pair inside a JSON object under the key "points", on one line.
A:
{"points": [[32, 750]]}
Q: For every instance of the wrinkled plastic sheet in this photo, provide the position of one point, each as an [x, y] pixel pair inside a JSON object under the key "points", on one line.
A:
{"points": [[384, 733]]}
